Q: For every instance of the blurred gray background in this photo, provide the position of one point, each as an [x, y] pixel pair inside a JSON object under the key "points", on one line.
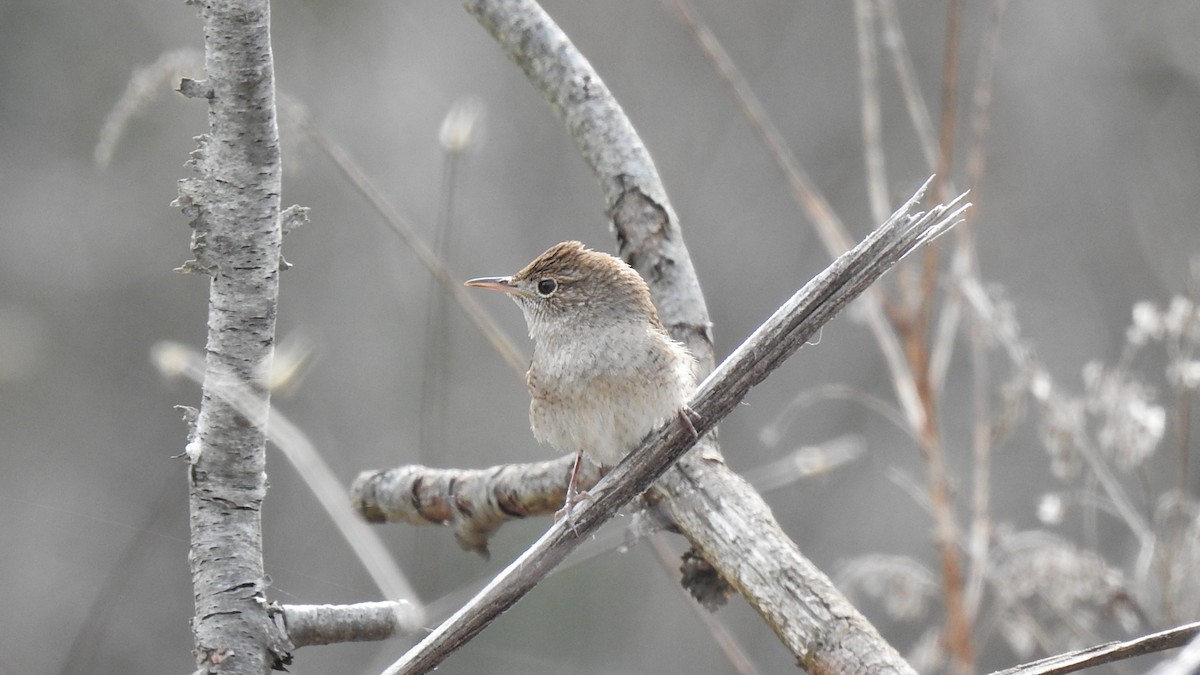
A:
{"points": [[1088, 205]]}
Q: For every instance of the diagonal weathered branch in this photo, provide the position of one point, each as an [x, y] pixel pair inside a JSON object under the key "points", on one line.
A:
{"points": [[827, 634], [1110, 652]]}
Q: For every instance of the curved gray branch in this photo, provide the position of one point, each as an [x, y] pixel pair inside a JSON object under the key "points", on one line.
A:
{"points": [[647, 228]]}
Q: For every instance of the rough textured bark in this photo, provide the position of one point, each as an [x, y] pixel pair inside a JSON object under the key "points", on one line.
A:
{"points": [[308, 625], [234, 207]]}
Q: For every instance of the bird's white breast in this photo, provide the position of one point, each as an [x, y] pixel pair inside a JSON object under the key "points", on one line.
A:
{"points": [[603, 395]]}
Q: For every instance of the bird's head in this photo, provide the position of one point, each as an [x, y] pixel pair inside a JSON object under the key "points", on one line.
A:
{"points": [[572, 286]]}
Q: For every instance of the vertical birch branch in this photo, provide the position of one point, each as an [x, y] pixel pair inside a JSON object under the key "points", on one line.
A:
{"points": [[234, 209]]}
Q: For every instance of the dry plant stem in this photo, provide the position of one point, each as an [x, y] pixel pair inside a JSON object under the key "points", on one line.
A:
{"points": [[919, 334], [738, 659], [964, 269], [981, 105], [234, 207], [979, 537], [814, 621], [425, 255], [828, 225], [143, 86], [906, 75], [966, 263], [949, 102], [1184, 399], [893, 39], [911, 378], [946, 333], [175, 359], [936, 364], [868, 80], [957, 637], [439, 339], [946, 540], [1110, 652]]}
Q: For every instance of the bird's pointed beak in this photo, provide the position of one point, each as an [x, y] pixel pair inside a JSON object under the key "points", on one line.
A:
{"points": [[503, 284]]}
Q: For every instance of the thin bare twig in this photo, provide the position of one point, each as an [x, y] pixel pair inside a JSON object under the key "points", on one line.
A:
{"points": [[828, 225], [966, 263], [173, 360], [981, 106], [458, 132], [1109, 652], [868, 85], [143, 86], [906, 74], [949, 103], [958, 639], [737, 657], [425, 255], [981, 451], [771, 433]]}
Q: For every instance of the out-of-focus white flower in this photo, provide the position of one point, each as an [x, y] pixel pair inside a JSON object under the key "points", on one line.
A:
{"points": [[1147, 324], [1040, 386], [460, 125], [1185, 374], [1131, 424], [1051, 509]]}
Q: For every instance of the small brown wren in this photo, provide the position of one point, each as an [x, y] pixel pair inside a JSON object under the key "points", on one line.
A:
{"points": [[604, 371]]}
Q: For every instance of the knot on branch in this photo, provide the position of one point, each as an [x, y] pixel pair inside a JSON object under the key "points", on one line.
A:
{"points": [[195, 88], [703, 581]]}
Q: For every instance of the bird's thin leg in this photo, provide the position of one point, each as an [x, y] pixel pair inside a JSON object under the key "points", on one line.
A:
{"points": [[688, 418], [574, 496]]}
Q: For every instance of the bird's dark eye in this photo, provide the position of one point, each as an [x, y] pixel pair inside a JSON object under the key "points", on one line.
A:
{"points": [[546, 287]]}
